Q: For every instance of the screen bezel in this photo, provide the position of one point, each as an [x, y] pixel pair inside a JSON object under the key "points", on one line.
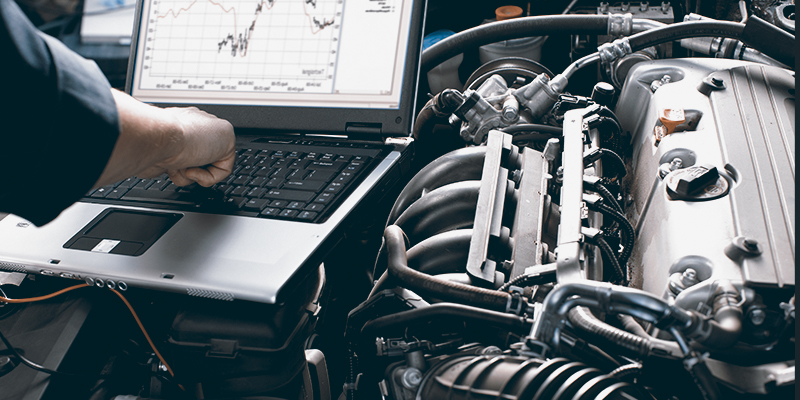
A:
{"points": [[317, 120]]}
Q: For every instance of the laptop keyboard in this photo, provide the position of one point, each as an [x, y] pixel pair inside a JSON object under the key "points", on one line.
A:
{"points": [[304, 183]]}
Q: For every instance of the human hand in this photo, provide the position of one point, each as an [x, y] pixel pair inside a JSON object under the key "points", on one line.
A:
{"points": [[206, 151], [188, 144]]}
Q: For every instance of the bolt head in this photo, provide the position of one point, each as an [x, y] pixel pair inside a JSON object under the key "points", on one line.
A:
{"points": [[757, 316]]}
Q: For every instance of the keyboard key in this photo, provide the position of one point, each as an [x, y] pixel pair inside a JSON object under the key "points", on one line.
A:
{"points": [[288, 213], [129, 183], [236, 202], [313, 186], [240, 180], [306, 215], [320, 175], [224, 189], [250, 161], [239, 191], [247, 170], [324, 198], [271, 212], [279, 203], [296, 205], [317, 207], [258, 181], [334, 187], [274, 183], [257, 192], [158, 196], [264, 171], [290, 195], [327, 165], [297, 174], [280, 172], [102, 192], [344, 177], [256, 204], [159, 184], [117, 193], [300, 164], [354, 166], [143, 184]]}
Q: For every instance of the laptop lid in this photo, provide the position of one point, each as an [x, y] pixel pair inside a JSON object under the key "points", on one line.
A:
{"points": [[298, 66]]}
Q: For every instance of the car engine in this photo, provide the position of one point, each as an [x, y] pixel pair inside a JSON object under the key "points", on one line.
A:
{"points": [[622, 229], [632, 241]]}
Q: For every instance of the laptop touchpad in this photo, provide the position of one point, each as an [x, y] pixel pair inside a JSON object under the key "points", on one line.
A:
{"points": [[120, 231]]}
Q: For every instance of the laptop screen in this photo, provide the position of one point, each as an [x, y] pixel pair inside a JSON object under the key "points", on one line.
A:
{"points": [[252, 62]]}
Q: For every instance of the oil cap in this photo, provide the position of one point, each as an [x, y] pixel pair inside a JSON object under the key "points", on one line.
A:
{"points": [[698, 182]]}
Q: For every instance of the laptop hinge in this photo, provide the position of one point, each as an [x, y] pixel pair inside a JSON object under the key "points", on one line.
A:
{"points": [[364, 130]]}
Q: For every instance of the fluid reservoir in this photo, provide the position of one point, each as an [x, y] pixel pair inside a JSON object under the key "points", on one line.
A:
{"points": [[529, 47]]}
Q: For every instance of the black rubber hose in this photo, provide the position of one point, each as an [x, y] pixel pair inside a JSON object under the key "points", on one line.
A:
{"points": [[439, 288], [628, 234], [443, 253], [606, 249], [529, 280], [607, 154], [756, 33], [553, 131], [445, 311], [685, 30], [603, 190], [446, 208], [582, 318], [605, 297], [458, 165], [512, 29], [437, 109]]}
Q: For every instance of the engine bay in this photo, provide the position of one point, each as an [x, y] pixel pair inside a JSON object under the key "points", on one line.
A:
{"points": [[623, 229]]}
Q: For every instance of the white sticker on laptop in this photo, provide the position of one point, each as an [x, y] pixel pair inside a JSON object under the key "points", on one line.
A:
{"points": [[105, 246]]}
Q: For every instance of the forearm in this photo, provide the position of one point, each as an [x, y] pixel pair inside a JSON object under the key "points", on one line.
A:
{"points": [[148, 136]]}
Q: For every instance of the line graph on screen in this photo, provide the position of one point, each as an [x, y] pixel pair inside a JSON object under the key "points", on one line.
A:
{"points": [[241, 41]]}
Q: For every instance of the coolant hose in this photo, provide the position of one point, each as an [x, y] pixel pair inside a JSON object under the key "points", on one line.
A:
{"points": [[512, 29], [446, 252], [439, 288], [457, 165], [446, 208], [582, 318], [605, 297], [756, 33], [641, 345]]}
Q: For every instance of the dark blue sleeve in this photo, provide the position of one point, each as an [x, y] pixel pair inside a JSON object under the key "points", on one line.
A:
{"points": [[58, 121]]}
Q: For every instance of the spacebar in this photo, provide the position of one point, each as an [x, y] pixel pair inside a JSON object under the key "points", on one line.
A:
{"points": [[158, 196]]}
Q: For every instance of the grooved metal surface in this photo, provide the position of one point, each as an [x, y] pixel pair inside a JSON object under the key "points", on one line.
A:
{"points": [[756, 130]]}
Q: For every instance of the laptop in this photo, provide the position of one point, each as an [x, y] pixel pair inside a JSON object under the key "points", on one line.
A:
{"points": [[323, 86]]}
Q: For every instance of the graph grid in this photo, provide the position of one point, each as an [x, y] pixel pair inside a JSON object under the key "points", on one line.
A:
{"points": [[246, 42]]}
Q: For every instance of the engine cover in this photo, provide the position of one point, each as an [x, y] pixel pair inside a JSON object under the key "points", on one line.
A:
{"points": [[744, 231]]}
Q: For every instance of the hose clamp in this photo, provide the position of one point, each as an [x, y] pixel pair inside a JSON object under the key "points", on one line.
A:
{"points": [[620, 24], [614, 50], [514, 304]]}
